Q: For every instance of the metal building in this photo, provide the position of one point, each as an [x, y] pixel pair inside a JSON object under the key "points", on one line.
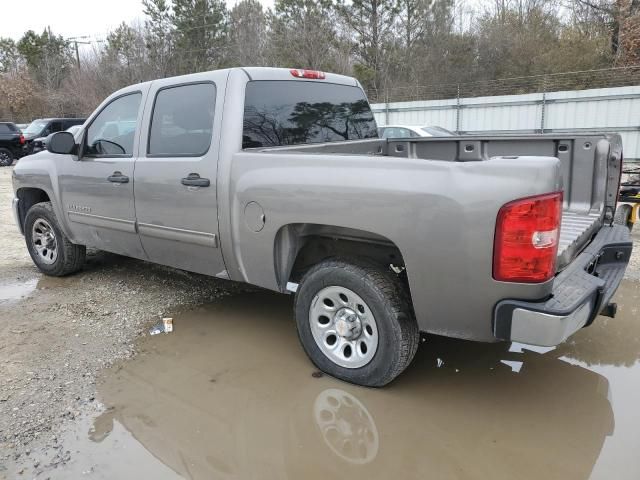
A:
{"points": [[603, 110]]}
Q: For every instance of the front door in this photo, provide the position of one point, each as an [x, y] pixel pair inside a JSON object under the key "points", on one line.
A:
{"points": [[175, 177], [97, 189]]}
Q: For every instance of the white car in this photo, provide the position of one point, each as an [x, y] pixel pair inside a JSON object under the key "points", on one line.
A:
{"points": [[412, 131]]}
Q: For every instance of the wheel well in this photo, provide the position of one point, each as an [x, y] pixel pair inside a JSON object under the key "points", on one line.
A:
{"points": [[300, 246], [28, 198]]}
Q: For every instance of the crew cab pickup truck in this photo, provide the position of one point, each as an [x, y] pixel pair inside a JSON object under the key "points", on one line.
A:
{"points": [[277, 178]]}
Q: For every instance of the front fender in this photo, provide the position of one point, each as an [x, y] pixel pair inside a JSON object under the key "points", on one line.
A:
{"points": [[40, 171]]}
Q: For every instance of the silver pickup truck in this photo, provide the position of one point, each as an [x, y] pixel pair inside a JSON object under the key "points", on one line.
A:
{"points": [[277, 178]]}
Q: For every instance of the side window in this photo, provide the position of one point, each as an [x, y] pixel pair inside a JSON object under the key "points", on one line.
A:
{"points": [[4, 128], [55, 126], [113, 129], [182, 121]]}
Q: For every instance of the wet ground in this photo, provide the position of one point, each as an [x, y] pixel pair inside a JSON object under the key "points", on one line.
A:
{"points": [[230, 394]]}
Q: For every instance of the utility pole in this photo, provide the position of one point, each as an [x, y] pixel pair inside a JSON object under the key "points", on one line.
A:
{"points": [[76, 41]]}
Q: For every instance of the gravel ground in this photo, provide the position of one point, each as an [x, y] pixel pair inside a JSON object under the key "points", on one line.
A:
{"points": [[56, 334]]}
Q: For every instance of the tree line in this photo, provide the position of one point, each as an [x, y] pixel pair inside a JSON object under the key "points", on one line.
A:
{"points": [[386, 44]]}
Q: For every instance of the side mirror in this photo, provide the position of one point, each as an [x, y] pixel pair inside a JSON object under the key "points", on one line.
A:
{"points": [[62, 142]]}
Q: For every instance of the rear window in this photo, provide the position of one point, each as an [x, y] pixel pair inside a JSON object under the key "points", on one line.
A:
{"points": [[281, 112], [8, 128]]}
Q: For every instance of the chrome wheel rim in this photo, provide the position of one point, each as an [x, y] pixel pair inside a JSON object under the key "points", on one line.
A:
{"points": [[43, 239], [343, 327]]}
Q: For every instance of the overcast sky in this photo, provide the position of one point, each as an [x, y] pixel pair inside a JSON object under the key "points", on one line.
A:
{"points": [[72, 18]]}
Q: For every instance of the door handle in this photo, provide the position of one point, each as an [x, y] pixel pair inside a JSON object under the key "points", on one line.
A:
{"points": [[194, 180], [118, 177]]}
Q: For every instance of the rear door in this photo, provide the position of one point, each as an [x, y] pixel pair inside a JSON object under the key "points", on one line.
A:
{"points": [[175, 177]]}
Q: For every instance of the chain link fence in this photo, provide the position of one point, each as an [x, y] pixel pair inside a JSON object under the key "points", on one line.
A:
{"points": [[552, 82]]}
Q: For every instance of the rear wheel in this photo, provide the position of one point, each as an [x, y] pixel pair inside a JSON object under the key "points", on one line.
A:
{"points": [[51, 251], [6, 157], [355, 322]]}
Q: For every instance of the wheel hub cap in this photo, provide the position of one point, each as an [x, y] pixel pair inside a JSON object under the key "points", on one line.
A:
{"points": [[343, 327], [44, 242], [347, 324]]}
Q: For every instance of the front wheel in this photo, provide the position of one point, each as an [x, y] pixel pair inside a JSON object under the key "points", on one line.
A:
{"points": [[52, 252], [355, 322]]}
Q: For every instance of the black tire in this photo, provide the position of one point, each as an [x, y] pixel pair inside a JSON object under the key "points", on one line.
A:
{"points": [[398, 335], [6, 157], [69, 257], [623, 216]]}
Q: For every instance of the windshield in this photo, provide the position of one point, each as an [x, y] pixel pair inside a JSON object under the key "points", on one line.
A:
{"points": [[35, 127], [437, 131], [280, 112]]}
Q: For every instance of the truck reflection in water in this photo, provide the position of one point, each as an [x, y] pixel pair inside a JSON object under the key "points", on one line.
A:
{"points": [[227, 396]]}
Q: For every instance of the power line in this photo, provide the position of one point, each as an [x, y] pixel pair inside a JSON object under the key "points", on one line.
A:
{"points": [[76, 41]]}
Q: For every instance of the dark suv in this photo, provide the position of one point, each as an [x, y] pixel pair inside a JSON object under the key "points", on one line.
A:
{"points": [[43, 127], [11, 143]]}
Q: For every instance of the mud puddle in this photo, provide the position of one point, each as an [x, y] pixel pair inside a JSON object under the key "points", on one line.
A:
{"points": [[230, 394], [14, 291], [18, 289]]}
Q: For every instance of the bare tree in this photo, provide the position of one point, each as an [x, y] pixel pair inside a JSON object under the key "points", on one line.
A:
{"points": [[302, 34], [248, 34]]}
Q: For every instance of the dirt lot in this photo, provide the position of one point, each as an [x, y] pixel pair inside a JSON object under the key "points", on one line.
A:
{"points": [[84, 391], [57, 334]]}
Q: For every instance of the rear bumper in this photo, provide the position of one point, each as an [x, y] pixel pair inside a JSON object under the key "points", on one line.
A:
{"points": [[580, 292]]}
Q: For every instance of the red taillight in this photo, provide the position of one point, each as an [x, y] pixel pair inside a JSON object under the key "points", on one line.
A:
{"points": [[22, 140], [313, 74], [526, 240]]}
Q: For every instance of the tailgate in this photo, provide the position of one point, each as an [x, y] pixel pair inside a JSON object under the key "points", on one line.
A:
{"points": [[590, 168], [575, 232]]}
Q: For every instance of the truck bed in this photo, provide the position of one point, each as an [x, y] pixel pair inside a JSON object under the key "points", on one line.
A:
{"points": [[584, 161]]}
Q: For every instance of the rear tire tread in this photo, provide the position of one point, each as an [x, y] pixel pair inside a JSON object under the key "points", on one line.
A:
{"points": [[396, 304]]}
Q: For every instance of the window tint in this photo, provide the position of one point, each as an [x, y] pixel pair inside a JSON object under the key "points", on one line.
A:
{"points": [[182, 123], [284, 112], [7, 128], [69, 123], [112, 131], [55, 126]]}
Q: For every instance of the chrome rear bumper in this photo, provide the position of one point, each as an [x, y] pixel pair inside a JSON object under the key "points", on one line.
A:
{"points": [[580, 293]]}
